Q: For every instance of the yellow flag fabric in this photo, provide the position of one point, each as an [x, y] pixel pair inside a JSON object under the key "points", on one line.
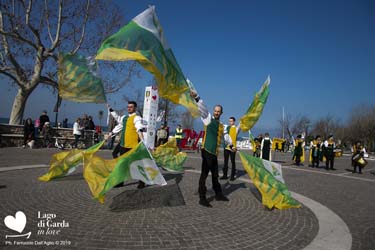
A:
{"points": [[267, 178], [66, 162], [248, 120], [96, 171], [168, 156], [78, 81]]}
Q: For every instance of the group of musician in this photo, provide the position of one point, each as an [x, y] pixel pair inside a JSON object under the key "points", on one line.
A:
{"points": [[320, 151], [327, 151], [323, 151]]}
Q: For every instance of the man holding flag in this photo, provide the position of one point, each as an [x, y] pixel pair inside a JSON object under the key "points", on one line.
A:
{"points": [[214, 130], [132, 129]]}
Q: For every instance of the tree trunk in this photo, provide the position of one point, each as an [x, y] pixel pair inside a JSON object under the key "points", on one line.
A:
{"points": [[19, 106]]}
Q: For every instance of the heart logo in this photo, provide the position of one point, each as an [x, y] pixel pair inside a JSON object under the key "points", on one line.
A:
{"points": [[154, 97], [16, 223]]}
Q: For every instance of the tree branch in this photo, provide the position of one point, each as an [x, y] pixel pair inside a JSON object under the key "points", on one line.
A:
{"points": [[83, 28], [31, 27], [17, 36], [58, 30], [20, 73], [126, 80], [14, 78], [47, 21], [48, 81]]}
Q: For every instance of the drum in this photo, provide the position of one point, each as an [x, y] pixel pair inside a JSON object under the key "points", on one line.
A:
{"points": [[356, 157], [362, 162]]}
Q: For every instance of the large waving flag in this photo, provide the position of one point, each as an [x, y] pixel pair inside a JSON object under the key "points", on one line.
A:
{"points": [[77, 79], [167, 156], [267, 177], [65, 163], [253, 113], [143, 40], [136, 164], [96, 171]]}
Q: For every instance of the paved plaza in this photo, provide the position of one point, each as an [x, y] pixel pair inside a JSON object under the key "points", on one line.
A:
{"points": [[338, 209]]}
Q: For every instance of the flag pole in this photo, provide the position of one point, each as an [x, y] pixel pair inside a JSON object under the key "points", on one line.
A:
{"points": [[283, 123]]}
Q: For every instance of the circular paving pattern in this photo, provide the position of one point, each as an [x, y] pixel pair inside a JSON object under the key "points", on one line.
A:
{"points": [[167, 217]]}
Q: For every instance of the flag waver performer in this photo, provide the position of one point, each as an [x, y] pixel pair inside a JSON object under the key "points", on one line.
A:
{"points": [[230, 136], [132, 129], [214, 131]]}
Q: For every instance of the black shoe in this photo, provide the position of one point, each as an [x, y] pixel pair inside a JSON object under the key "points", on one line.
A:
{"points": [[232, 178], [119, 185], [221, 197], [359, 172], [204, 202], [224, 177], [333, 168], [141, 185]]}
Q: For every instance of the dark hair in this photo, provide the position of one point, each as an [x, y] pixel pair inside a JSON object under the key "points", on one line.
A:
{"points": [[234, 119], [133, 102], [316, 137], [221, 107], [29, 119]]}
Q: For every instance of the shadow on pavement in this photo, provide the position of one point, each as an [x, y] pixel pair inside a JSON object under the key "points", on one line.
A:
{"points": [[150, 197], [171, 176], [256, 194], [3, 186]]}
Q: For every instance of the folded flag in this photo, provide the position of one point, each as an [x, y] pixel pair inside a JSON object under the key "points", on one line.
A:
{"points": [[136, 164], [248, 120], [65, 163], [168, 157], [267, 178], [143, 40], [78, 81]]}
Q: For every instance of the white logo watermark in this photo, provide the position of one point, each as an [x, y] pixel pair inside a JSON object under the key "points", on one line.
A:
{"points": [[47, 224], [16, 223]]}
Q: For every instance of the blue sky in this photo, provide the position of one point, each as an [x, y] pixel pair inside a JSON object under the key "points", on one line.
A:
{"points": [[320, 55]]}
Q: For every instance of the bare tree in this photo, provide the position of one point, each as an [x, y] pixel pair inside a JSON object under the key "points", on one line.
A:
{"points": [[361, 126], [33, 32], [286, 125], [171, 115], [326, 126], [187, 120], [301, 125]]}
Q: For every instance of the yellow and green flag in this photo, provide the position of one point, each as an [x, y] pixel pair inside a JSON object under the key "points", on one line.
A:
{"points": [[96, 171], [136, 164], [142, 40], [168, 157], [267, 178], [65, 163], [248, 120], [78, 81]]}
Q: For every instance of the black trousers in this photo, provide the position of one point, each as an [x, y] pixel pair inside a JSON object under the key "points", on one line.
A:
{"points": [[76, 139], [330, 162], [315, 161], [355, 165], [209, 163], [232, 155]]}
